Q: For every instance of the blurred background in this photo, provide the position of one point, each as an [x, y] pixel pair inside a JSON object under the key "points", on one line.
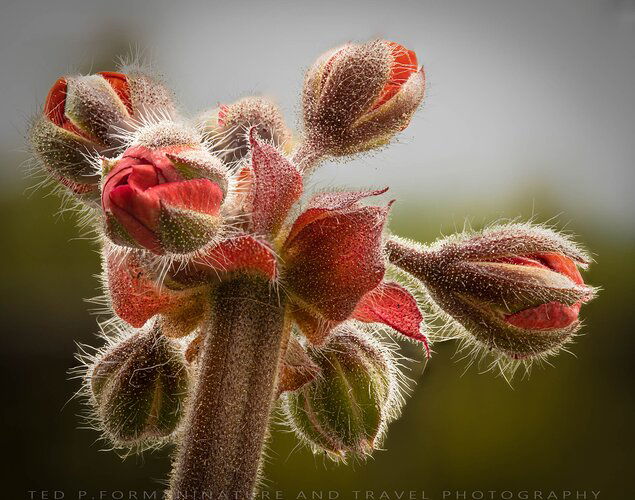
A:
{"points": [[530, 113]]}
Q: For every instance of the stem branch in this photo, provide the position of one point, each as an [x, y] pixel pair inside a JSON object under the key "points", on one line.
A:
{"points": [[307, 157], [411, 258]]}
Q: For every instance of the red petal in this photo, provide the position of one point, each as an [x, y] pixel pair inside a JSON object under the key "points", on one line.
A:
{"points": [[131, 211], [394, 306], [166, 172], [118, 176], [550, 316], [323, 204], [119, 83], [403, 66], [563, 265], [277, 185], [55, 107], [200, 195], [140, 160], [142, 177], [135, 297], [145, 209], [334, 261], [554, 261], [243, 253]]}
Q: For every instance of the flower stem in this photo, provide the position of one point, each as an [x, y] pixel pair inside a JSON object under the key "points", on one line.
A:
{"points": [[412, 259], [228, 416], [307, 157]]}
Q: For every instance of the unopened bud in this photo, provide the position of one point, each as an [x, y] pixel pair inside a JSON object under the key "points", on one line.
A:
{"points": [[138, 389], [226, 128], [84, 116], [164, 199], [345, 409], [357, 97], [516, 288]]}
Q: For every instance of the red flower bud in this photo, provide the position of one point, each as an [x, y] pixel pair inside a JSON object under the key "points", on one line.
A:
{"points": [[82, 117], [358, 97], [164, 200], [515, 288], [227, 127]]}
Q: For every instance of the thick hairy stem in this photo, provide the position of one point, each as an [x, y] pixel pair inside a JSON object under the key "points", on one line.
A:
{"points": [[228, 415], [411, 259], [307, 158]]}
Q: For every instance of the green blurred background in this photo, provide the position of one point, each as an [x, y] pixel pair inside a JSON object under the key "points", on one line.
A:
{"points": [[539, 125]]}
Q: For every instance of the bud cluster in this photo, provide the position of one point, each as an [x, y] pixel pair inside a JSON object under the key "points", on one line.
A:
{"points": [[236, 289]]}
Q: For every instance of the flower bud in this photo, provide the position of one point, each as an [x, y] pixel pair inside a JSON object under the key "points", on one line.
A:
{"points": [[515, 288], [345, 409], [164, 199], [138, 388], [84, 117], [227, 127], [357, 97]]}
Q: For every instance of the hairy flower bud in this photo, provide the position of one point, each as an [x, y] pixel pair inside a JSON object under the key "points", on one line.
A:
{"points": [[516, 288], [138, 388], [357, 97], [227, 127], [165, 199], [82, 117], [345, 409]]}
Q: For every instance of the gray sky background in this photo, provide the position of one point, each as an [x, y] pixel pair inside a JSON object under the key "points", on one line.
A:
{"points": [[521, 94]]}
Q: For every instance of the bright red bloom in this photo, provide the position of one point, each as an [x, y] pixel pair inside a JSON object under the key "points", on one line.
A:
{"points": [[551, 315], [403, 66], [147, 196]]}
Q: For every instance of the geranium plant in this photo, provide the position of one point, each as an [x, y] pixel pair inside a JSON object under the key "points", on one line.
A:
{"points": [[234, 293]]}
